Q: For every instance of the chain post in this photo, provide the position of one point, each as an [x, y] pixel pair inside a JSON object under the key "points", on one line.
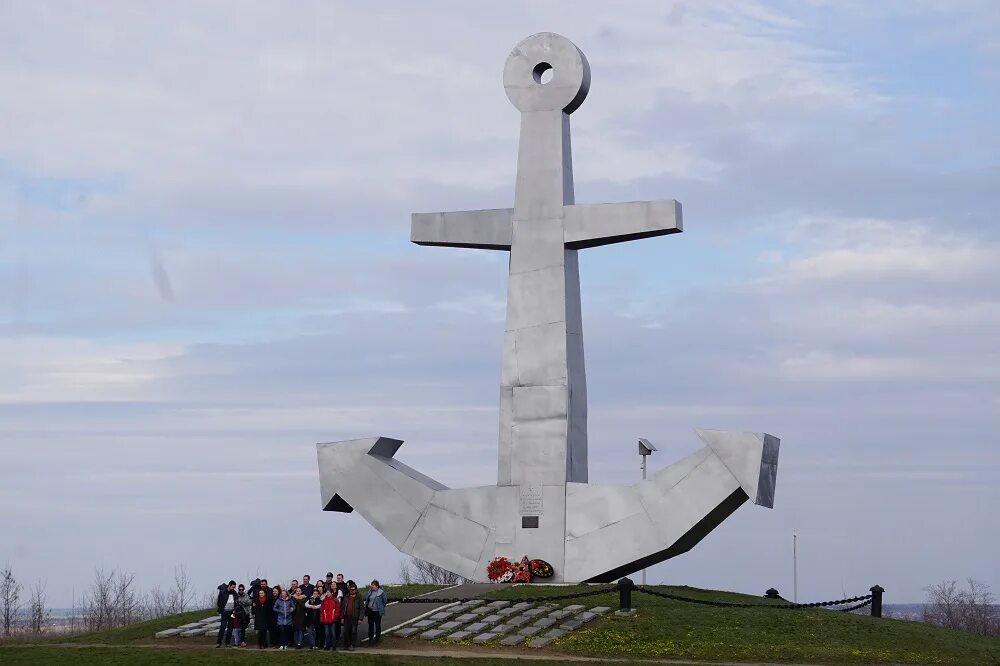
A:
{"points": [[877, 600], [625, 586]]}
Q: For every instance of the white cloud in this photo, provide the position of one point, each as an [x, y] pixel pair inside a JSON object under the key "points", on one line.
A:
{"points": [[839, 249], [880, 318], [42, 370], [296, 104]]}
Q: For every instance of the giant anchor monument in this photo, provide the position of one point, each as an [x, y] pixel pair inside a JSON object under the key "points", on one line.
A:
{"points": [[542, 505]]}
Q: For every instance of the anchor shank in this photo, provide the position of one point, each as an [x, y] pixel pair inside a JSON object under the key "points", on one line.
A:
{"points": [[544, 166], [543, 392]]}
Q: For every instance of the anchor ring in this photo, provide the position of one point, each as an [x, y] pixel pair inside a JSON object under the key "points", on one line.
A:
{"points": [[524, 74]]}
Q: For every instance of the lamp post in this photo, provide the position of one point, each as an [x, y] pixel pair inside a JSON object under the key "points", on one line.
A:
{"points": [[645, 448], [795, 566]]}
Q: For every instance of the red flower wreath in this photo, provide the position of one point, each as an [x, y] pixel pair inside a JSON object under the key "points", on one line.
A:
{"points": [[500, 570], [522, 571], [541, 568]]}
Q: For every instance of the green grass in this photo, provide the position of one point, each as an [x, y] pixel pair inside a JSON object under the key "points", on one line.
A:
{"points": [[397, 592], [661, 629], [95, 656], [135, 632], [664, 629]]}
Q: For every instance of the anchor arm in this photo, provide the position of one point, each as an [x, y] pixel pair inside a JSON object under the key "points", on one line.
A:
{"points": [[488, 229], [591, 225], [364, 475]]}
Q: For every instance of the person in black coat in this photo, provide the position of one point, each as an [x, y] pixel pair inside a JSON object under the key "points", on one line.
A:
{"points": [[225, 604], [262, 617]]}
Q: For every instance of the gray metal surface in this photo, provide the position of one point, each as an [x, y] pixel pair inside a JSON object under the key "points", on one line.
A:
{"points": [[587, 532]]}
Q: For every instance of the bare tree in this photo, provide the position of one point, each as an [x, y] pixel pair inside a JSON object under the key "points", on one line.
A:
{"points": [[98, 602], [972, 608], [38, 615], [126, 600], [182, 594], [177, 599], [419, 571], [10, 598], [158, 603]]}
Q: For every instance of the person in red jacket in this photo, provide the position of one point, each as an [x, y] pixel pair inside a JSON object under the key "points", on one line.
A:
{"points": [[329, 619]]}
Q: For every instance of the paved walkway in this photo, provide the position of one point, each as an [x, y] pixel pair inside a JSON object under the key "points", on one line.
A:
{"points": [[397, 614]]}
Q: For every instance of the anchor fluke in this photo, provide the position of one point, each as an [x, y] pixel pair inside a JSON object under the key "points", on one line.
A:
{"points": [[751, 457], [362, 474]]}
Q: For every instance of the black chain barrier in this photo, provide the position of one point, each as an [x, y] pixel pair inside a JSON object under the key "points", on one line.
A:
{"points": [[561, 597], [866, 602], [726, 604]]}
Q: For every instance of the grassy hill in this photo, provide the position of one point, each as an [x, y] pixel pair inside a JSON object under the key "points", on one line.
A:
{"points": [[664, 629], [135, 632], [661, 629]]}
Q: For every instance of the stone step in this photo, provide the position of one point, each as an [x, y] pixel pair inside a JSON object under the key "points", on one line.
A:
{"points": [[562, 614], [406, 631], [431, 633], [167, 633]]}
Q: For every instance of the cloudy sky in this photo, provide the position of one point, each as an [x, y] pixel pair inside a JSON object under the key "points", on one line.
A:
{"points": [[205, 269]]}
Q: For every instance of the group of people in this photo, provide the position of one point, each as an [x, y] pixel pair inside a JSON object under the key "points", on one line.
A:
{"points": [[318, 616]]}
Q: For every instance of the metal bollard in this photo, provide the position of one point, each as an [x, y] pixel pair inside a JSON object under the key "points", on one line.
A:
{"points": [[877, 600], [625, 586]]}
